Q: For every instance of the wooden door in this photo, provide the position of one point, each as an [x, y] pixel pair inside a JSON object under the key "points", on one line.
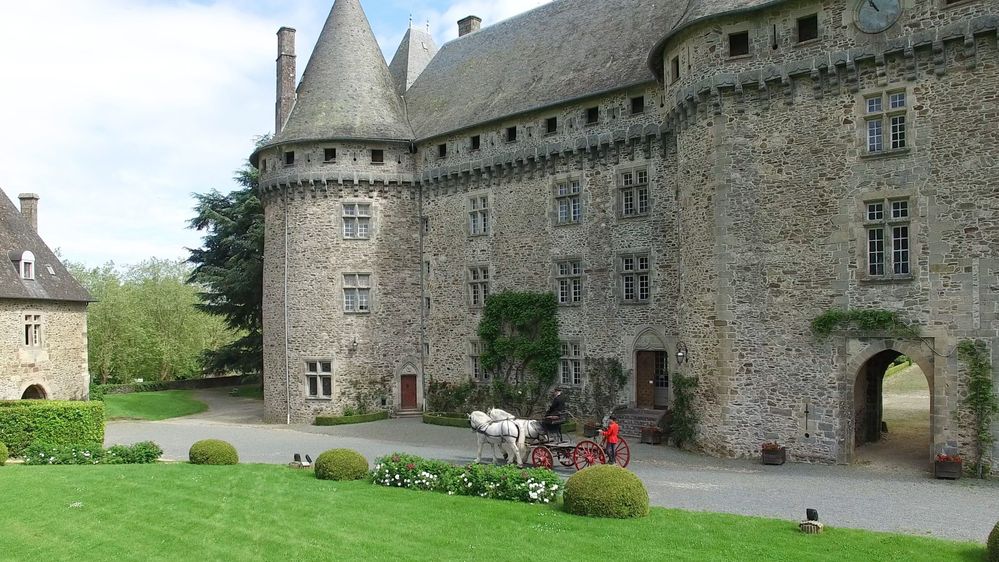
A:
{"points": [[662, 380], [408, 392], [645, 383]]}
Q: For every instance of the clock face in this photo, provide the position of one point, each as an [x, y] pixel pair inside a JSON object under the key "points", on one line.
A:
{"points": [[875, 16]]}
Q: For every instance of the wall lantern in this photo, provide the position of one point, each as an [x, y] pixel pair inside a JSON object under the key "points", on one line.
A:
{"points": [[682, 354], [353, 344]]}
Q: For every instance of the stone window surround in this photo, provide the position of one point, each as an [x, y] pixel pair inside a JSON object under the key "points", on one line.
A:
{"points": [[26, 266], [861, 117], [344, 217], [803, 12], [478, 289], [319, 374], [742, 26], [620, 188], [943, 4], [557, 279], [619, 258], [357, 288], [472, 214], [574, 360], [860, 234], [564, 178], [475, 371], [34, 329]]}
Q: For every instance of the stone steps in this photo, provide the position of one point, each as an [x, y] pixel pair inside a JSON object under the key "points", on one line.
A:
{"points": [[632, 420], [409, 413]]}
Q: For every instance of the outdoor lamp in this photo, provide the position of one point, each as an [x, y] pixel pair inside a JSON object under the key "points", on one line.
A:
{"points": [[681, 353], [812, 514], [353, 344]]}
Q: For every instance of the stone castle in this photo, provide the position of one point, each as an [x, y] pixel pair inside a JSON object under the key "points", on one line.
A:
{"points": [[696, 181]]}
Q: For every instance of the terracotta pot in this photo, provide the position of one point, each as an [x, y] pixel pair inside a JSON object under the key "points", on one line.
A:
{"points": [[776, 456]]}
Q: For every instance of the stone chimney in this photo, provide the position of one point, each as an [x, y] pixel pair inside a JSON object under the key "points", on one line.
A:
{"points": [[29, 208], [285, 77], [471, 24]]}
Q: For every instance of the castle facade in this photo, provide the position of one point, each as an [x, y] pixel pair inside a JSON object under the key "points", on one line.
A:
{"points": [[695, 181]]}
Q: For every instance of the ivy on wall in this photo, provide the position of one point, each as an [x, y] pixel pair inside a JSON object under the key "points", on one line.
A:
{"points": [[685, 418], [855, 321], [981, 400]]}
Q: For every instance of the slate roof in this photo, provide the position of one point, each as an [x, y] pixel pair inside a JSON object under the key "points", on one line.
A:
{"points": [[412, 56], [562, 51], [16, 237], [346, 91]]}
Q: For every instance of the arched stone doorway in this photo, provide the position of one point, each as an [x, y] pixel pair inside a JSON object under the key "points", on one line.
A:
{"points": [[34, 392], [892, 418], [408, 386], [651, 373]]}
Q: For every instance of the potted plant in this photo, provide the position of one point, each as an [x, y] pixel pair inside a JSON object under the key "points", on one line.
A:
{"points": [[947, 466], [773, 453], [652, 435]]}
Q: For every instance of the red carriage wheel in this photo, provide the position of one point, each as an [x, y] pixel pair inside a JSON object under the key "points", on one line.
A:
{"points": [[541, 457], [622, 455], [587, 453], [565, 457]]}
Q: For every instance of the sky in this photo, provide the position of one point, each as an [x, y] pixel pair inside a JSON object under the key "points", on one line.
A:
{"points": [[116, 111]]}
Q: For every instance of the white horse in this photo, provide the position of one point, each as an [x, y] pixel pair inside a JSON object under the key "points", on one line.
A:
{"points": [[505, 433], [530, 430]]}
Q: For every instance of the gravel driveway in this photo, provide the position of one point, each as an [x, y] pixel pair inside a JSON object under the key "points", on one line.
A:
{"points": [[846, 496]]}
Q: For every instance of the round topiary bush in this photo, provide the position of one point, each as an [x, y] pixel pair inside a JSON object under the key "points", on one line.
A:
{"points": [[993, 548], [4, 453], [341, 464], [606, 490], [213, 451]]}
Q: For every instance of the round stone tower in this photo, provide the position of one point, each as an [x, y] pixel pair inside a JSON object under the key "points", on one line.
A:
{"points": [[342, 300]]}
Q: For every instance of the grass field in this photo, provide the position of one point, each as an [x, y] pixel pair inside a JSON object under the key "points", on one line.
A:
{"points": [[256, 512], [152, 406], [252, 391]]}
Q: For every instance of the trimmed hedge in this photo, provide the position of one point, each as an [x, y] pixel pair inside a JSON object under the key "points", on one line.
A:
{"points": [[993, 544], [606, 490], [341, 464], [145, 452], [346, 420], [98, 391], [23, 422], [213, 452], [4, 455]]}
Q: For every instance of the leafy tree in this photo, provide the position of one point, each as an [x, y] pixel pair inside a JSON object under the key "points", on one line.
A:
{"points": [[521, 348], [230, 267], [145, 323]]}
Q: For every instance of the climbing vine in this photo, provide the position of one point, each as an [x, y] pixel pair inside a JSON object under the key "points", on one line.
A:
{"points": [[520, 348], [981, 400], [862, 320], [685, 419]]}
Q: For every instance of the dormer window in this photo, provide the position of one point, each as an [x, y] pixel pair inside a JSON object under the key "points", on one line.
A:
{"points": [[27, 265]]}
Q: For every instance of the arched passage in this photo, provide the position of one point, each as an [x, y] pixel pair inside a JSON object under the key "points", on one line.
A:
{"points": [[34, 392], [892, 412]]}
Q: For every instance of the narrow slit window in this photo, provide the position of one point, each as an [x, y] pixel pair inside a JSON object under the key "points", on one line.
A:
{"points": [[442, 150]]}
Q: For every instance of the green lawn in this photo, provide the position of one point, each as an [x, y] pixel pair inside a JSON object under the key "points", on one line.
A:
{"points": [[252, 391], [152, 405], [256, 512]]}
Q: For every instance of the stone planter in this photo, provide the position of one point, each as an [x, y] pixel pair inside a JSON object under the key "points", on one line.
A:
{"points": [[950, 470], [651, 436], [775, 456]]}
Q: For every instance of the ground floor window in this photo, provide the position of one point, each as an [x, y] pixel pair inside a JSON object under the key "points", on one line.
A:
{"points": [[571, 365], [320, 377]]}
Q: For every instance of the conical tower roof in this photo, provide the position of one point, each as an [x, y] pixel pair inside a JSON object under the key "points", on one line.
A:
{"points": [[346, 91], [412, 56]]}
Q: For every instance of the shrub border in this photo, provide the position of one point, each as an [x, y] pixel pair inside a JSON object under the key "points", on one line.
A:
{"points": [[448, 419], [347, 420]]}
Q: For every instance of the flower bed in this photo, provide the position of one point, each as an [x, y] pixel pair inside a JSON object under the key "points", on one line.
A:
{"points": [[346, 420], [530, 485], [145, 452]]}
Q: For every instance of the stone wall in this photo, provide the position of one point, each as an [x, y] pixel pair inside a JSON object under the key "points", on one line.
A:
{"points": [[59, 366]]}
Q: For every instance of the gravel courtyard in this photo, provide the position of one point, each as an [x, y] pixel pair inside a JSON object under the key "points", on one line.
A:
{"points": [[899, 500]]}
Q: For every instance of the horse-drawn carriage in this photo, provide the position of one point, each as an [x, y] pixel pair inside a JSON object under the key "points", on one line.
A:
{"points": [[544, 440]]}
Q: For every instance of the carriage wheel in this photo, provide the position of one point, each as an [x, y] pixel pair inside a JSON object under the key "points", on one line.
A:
{"points": [[541, 457], [622, 455], [587, 453], [565, 457]]}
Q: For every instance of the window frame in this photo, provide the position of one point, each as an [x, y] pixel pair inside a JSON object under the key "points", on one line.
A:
{"points": [[289, 159], [569, 281], [511, 135], [33, 323], [630, 192], [797, 28], [356, 220], [478, 214], [885, 129], [887, 240], [474, 362], [353, 306], [551, 125], [478, 280], [377, 156], [326, 155], [475, 142], [635, 274], [26, 266], [640, 100], [591, 116], [571, 368], [320, 375], [572, 197], [729, 43]]}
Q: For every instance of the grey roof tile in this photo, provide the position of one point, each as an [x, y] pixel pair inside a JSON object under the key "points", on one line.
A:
{"points": [[414, 53], [346, 91], [16, 237]]}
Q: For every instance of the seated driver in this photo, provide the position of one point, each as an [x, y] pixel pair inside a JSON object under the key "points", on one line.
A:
{"points": [[555, 414]]}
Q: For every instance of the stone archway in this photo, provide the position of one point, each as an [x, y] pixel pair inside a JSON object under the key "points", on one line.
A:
{"points": [[34, 392], [651, 373], [867, 402], [408, 386]]}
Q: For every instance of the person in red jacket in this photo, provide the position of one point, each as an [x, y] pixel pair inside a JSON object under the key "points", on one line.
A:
{"points": [[611, 434]]}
